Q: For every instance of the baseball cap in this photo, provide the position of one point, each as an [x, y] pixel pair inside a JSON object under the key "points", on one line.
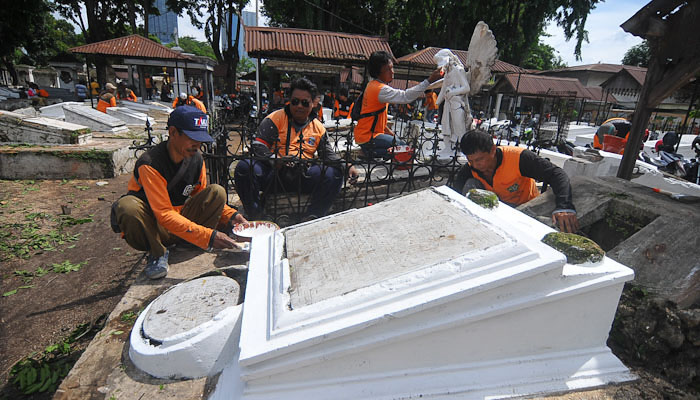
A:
{"points": [[192, 122], [110, 86]]}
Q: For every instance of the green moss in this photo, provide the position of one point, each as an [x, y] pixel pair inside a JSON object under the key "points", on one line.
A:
{"points": [[90, 155], [484, 198], [576, 248]]}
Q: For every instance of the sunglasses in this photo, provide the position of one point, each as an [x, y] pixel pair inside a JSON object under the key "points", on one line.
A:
{"points": [[304, 103]]}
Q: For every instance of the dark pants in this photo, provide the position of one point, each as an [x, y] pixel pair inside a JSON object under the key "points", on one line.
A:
{"points": [[141, 230], [378, 146], [253, 176]]}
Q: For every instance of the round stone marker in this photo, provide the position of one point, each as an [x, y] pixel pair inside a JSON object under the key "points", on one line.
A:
{"points": [[175, 315]]}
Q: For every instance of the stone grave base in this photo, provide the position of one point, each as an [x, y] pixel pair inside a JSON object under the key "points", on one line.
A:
{"points": [[19, 128], [102, 158]]}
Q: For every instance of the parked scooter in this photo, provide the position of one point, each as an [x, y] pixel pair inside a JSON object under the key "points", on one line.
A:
{"points": [[667, 160]]}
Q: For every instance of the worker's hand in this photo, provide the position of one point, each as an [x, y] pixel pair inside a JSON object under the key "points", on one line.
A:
{"points": [[437, 74], [388, 131], [239, 219], [352, 175], [566, 221], [223, 241]]}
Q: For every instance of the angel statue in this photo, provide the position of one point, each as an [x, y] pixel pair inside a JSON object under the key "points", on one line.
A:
{"points": [[458, 83]]}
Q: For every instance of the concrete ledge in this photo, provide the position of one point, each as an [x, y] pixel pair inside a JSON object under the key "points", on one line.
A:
{"points": [[101, 159]]}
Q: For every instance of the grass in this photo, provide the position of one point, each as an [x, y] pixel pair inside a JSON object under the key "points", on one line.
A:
{"points": [[38, 231], [42, 372]]}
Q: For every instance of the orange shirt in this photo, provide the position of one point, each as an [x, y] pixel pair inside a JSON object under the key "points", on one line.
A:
{"points": [[191, 101]]}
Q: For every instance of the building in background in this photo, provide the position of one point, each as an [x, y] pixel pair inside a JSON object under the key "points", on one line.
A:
{"points": [[164, 26], [247, 19]]}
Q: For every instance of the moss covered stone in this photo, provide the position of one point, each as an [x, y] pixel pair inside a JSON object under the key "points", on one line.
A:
{"points": [[484, 198], [576, 248]]}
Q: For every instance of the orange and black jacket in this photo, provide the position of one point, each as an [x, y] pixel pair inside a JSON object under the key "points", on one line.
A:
{"points": [[342, 109], [514, 179], [278, 134], [153, 170]]}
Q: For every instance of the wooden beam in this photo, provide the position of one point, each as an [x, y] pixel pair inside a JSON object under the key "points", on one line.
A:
{"points": [[642, 23], [673, 79]]}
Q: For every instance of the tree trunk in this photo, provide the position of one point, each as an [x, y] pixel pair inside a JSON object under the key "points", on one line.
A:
{"points": [[131, 8], [11, 69]]}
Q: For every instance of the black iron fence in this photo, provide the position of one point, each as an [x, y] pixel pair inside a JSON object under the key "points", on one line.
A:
{"points": [[285, 199]]}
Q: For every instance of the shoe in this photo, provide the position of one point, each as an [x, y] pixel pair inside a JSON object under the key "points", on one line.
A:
{"points": [[157, 267]]}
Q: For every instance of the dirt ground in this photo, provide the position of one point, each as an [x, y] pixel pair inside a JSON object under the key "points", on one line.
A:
{"points": [[62, 270]]}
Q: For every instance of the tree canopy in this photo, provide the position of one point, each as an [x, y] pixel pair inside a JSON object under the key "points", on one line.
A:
{"points": [[220, 20], [415, 24], [194, 46], [637, 55], [543, 57]]}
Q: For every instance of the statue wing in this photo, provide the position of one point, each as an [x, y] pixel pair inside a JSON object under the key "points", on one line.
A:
{"points": [[481, 56]]}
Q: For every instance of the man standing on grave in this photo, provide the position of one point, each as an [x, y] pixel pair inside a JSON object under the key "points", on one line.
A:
{"points": [[292, 135], [169, 200], [510, 172], [371, 132]]}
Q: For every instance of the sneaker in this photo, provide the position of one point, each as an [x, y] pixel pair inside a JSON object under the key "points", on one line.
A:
{"points": [[157, 267]]}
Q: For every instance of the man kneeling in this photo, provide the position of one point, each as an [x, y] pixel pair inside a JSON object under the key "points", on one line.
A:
{"points": [[169, 200], [291, 135], [510, 172]]}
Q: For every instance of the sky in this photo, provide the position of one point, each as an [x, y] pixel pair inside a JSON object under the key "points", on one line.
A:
{"points": [[607, 41]]}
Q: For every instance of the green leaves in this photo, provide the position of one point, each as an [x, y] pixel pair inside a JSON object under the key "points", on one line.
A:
{"points": [[66, 267]]}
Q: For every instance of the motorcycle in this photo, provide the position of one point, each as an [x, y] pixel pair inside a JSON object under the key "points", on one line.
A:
{"points": [[667, 160]]}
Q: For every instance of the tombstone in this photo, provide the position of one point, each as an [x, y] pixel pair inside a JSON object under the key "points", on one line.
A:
{"points": [[424, 295], [153, 109], [129, 116], [18, 128], [190, 331], [95, 120], [56, 110]]}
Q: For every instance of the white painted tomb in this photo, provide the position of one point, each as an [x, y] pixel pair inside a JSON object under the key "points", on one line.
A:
{"points": [[190, 331], [56, 110], [95, 120], [129, 116], [19, 128], [427, 295], [153, 109]]}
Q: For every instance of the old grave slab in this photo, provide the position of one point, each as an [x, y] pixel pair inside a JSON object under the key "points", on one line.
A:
{"points": [[95, 120], [427, 295]]}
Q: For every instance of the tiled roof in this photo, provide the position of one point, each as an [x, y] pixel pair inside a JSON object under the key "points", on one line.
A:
{"points": [[424, 59], [134, 46], [638, 74], [307, 44], [539, 85]]}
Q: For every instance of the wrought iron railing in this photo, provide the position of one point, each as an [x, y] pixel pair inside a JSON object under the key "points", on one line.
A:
{"points": [[380, 178]]}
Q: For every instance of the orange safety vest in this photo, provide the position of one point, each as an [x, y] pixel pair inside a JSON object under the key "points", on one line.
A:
{"points": [[130, 95], [597, 142], [370, 103], [312, 134], [106, 100], [431, 101], [510, 187], [191, 101], [342, 112]]}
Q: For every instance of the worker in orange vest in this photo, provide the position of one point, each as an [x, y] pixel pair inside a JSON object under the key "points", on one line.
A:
{"points": [[371, 132], [124, 93], [189, 100], [431, 108], [343, 105], [510, 172], [107, 98]]}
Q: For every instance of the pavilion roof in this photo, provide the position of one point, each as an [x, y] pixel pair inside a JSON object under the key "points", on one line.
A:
{"points": [[312, 45], [132, 46], [424, 59]]}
